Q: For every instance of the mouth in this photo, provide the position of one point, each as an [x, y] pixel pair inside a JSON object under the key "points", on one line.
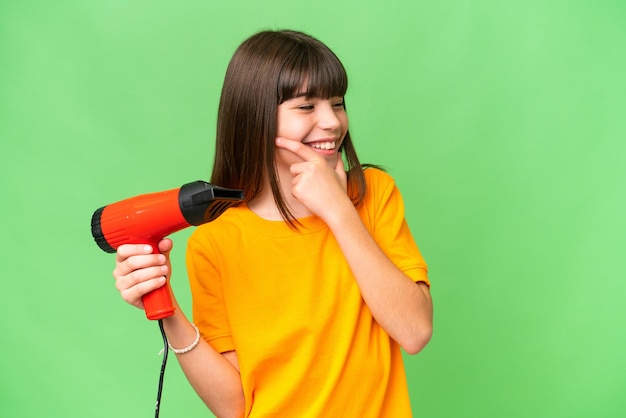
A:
{"points": [[323, 145]]}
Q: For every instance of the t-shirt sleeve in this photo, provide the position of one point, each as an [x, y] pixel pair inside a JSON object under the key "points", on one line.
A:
{"points": [[389, 227], [208, 305]]}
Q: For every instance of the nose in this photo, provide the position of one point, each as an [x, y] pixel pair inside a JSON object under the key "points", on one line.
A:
{"points": [[328, 118]]}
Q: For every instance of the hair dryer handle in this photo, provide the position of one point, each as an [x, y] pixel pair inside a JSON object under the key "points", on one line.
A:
{"points": [[158, 303]]}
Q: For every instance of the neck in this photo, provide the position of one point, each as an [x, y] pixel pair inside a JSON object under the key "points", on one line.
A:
{"points": [[264, 206]]}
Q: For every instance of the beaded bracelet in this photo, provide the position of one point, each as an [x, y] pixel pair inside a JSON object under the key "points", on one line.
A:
{"points": [[190, 347]]}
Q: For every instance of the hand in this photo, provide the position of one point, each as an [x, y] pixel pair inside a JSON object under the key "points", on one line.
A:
{"points": [[321, 187], [138, 271]]}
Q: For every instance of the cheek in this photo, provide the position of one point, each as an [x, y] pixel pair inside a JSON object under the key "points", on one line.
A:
{"points": [[284, 158], [344, 127], [344, 123], [291, 130]]}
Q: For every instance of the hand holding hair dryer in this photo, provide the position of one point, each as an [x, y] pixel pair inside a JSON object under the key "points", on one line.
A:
{"points": [[148, 218]]}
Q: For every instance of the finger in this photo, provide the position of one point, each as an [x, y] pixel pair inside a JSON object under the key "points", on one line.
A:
{"points": [[138, 262], [298, 148], [145, 261], [137, 277], [165, 246], [127, 250], [134, 294]]}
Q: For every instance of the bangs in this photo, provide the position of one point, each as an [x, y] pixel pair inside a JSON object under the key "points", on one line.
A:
{"points": [[323, 73]]}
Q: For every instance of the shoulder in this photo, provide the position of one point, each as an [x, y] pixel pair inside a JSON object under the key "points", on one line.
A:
{"points": [[381, 194], [377, 175], [382, 205], [212, 233], [378, 182]]}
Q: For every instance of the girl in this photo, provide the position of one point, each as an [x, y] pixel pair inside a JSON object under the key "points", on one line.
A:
{"points": [[305, 294]]}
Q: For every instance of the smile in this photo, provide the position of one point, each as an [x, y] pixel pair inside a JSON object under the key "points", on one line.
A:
{"points": [[328, 145]]}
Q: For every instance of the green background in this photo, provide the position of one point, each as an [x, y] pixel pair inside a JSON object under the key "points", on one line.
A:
{"points": [[504, 123]]}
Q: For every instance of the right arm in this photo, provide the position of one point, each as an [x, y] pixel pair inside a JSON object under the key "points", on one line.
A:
{"points": [[214, 376]]}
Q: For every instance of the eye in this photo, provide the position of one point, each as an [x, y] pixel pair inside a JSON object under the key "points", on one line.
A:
{"points": [[339, 104], [306, 107]]}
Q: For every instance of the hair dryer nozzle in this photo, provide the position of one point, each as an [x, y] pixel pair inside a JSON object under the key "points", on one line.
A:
{"points": [[202, 202]]}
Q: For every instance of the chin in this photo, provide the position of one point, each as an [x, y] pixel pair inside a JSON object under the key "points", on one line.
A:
{"points": [[332, 159]]}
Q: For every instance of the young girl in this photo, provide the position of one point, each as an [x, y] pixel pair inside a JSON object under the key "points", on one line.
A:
{"points": [[305, 294]]}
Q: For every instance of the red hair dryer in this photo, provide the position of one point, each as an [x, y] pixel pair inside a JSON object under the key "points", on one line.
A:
{"points": [[148, 218]]}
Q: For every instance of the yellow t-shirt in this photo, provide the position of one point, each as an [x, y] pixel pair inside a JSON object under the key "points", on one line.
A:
{"points": [[287, 302]]}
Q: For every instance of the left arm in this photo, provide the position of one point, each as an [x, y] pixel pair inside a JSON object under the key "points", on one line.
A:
{"points": [[402, 307]]}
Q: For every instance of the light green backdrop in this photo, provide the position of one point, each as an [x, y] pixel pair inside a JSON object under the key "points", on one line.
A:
{"points": [[504, 123]]}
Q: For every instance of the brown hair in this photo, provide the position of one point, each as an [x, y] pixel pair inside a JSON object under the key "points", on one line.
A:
{"points": [[267, 69]]}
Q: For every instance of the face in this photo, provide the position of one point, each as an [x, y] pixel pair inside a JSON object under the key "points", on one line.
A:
{"points": [[321, 124]]}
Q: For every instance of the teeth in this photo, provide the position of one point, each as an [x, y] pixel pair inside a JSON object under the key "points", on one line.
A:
{"points": [[324, 145]]}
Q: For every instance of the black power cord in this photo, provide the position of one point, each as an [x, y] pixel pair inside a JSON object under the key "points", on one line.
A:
{"points": [[163, 364]]}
